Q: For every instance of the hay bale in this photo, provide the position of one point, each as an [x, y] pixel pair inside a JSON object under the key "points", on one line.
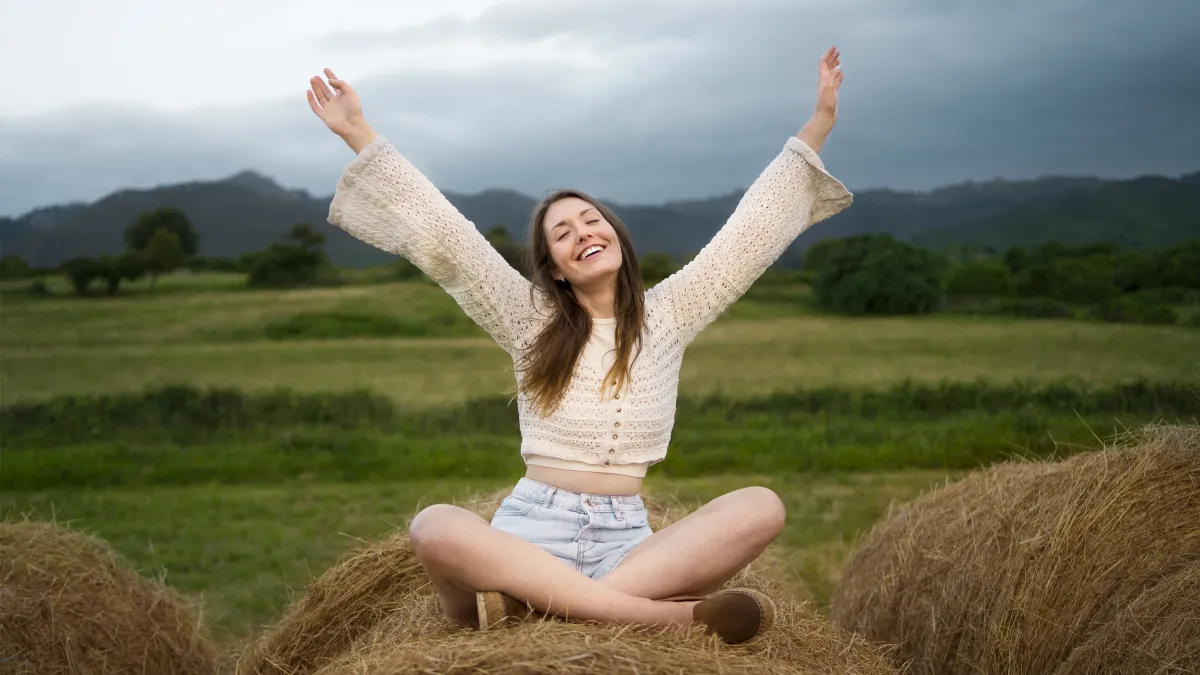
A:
{"points": [[1013, 568], [1159, 632], [69, 604], [397, 626]]}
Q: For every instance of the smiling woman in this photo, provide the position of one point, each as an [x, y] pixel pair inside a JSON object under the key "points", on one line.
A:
{"points": [[597, 360]]}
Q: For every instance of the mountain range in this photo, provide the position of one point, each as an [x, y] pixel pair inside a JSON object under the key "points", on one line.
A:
{"points": [[248, 211]]}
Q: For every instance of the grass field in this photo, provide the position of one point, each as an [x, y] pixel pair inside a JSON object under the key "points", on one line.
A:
{"points": [[72, 345], [244, 516]]}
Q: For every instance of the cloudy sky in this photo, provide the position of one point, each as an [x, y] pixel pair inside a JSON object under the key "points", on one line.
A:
{"points": [[631, 100]]}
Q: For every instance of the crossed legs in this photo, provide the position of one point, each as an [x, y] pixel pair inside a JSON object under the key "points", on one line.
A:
{"points": [[463, 554]]}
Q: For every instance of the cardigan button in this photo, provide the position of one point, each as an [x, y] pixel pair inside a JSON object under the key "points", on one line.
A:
{"points": [[611, 450]]}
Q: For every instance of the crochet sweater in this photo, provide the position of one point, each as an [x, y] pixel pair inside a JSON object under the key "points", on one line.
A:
{"points": [[383, 200]]}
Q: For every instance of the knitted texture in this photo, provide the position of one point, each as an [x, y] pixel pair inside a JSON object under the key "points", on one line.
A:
{"points": [[383, 200]]}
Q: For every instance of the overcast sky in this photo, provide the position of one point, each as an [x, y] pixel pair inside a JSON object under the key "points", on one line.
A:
{"points": [[631, 100]]}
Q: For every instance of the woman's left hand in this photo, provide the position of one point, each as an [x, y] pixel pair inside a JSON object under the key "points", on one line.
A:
{"points": [[829, 79]]}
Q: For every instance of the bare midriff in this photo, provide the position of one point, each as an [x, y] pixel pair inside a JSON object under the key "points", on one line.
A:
{"points": [[585, 482]]}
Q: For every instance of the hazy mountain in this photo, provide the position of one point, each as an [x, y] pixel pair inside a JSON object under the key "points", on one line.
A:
{"points": [[1143, 212], [249, 211]]}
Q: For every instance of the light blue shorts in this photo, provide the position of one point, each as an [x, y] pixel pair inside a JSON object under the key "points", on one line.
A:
{"points": [[591, 533]]}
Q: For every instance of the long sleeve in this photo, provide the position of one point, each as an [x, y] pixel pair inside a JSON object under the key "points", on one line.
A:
{"points": [[383, 200], [792, 193]]}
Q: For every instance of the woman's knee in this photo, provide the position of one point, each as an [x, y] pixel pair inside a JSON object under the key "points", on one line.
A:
{"points": [[765, 510], [437, 531]]}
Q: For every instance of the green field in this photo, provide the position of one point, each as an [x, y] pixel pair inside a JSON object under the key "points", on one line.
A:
{"points": [[69, 345], [240, 497]]}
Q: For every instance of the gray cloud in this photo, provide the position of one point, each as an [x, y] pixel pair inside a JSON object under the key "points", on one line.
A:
{"points": [[697, 98]]}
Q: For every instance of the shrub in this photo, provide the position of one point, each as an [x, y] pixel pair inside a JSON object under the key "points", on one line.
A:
{"points": [[1133, 309], [979, 278], [1035, 308], [14, 267], [343, 324], [295, 262], [877, 274], [656, 267]]}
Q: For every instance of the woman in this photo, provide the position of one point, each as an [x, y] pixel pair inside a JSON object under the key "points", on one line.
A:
{"points": [[597, 362]]}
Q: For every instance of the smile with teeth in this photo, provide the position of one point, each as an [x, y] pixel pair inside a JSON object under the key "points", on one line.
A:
{"points": [[590, 251]]}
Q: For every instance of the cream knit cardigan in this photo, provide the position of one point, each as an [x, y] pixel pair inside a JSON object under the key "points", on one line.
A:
{"points": [[383, 200]]}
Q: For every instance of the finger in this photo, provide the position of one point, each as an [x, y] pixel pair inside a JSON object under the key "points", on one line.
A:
{"points": [[312, 103], [321, 90], [329, 74], [315, 88]]}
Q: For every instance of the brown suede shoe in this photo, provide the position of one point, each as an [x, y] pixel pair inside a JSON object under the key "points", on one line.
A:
{"points": [[496, 609], [736, 615]]}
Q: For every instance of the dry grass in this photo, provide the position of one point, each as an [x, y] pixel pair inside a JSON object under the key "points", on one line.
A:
{"points": [[68, 604], [1159, 632], [375, 612], [1022, 568]]}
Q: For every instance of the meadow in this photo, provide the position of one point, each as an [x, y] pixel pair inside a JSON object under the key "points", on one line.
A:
{"points": [[238, 441]]}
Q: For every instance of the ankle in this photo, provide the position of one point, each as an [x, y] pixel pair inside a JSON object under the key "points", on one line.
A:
{"points": [[678, 612]]}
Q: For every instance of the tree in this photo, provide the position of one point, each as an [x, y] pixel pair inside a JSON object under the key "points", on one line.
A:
{"points": [[1181, 265], [818, 254], [1016, 259], [138, 235], [512, 252], [81, 270], [656, 267], [308, 237], [13, 267], [979, 278], [877, 274], [298, 260], [162, 254], [128, 266]]}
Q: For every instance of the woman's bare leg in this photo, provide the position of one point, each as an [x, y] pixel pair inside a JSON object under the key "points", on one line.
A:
{"points": [[463, 554], [700, 552]]}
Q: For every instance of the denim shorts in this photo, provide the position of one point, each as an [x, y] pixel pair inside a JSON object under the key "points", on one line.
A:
{"points": [[590, 533]]}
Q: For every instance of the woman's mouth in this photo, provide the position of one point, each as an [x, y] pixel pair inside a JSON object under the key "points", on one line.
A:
{"points": [[591, 252]]}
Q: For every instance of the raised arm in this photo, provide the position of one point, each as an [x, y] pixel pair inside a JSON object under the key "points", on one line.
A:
{"points": [[383, 200], [792, 193]]}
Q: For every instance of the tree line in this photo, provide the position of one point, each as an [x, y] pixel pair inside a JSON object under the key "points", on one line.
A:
{"points": [[868, 274], [163, 240], [878, 274]]}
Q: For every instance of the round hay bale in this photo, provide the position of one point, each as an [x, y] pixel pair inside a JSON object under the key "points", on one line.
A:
{"points": [[802, 642], [69, 604], [1159, 632], [377, 612], [1012, 568]]}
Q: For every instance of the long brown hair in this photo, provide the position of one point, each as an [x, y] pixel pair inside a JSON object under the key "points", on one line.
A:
{"points": [[550, 361]]}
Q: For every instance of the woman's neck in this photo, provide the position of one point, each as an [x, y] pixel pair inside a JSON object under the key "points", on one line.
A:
{"points": [[599, 302]]}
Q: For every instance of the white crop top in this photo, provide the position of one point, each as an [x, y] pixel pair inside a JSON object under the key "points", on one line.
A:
{"points": [[383, 200], [599, 353]]}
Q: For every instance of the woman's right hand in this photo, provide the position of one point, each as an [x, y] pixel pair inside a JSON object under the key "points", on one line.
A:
{"points": [[340, 110]]}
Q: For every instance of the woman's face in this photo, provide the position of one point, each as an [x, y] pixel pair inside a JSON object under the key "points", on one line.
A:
{"points": [[583, 245]]}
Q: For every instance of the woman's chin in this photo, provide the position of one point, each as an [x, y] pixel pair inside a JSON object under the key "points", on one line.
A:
{"points": [[601, 274]]}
